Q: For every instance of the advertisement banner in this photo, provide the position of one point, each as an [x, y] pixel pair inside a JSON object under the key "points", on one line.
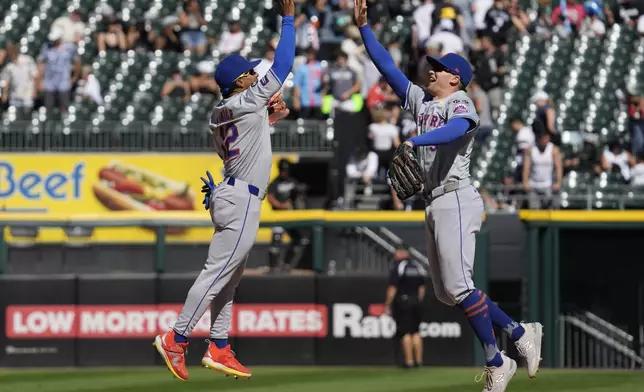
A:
{"points": [[100, 183], [358, 326], [275, 321], [36, 292], [147, 321]]}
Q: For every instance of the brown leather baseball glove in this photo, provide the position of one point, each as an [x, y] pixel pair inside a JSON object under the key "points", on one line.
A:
{"points": [[405, 173]]}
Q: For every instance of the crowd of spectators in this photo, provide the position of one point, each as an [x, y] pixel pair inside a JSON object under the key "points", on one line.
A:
{"points": [[332, 71], [56, 75], [337, 68]]}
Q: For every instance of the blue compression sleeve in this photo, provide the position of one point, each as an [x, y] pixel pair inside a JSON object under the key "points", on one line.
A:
{"points": [[454, 129], [385, 64], [285, 51]]}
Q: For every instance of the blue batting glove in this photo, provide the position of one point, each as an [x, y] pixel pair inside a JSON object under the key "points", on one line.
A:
{"points": [[207, 189]]}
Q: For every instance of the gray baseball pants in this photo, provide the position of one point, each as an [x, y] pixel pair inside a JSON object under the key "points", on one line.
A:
{"points": [[235, 213], [452, 222]]}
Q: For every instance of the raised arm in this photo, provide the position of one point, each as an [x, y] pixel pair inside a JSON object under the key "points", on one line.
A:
{"points": [[285, 51], [378, 54]]}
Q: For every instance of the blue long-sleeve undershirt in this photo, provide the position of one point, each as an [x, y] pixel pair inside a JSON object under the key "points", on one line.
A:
{"points": [[285, 51], [449, 132], [385, 63]]}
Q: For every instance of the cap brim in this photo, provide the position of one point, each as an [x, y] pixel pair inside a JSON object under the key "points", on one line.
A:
{"points": [[253, 64], [435, 62], [250, 65]]}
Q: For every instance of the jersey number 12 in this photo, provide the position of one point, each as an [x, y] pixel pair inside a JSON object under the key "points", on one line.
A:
{"points": [[229, 134]]}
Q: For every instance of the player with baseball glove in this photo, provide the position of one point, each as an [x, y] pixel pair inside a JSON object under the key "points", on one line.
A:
{"points": [[405, 172], [447, 124]]}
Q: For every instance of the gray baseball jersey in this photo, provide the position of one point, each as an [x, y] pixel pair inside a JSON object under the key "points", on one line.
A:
{"points": [[242, 134], [450, 161], [242, 140], [452, 219]]}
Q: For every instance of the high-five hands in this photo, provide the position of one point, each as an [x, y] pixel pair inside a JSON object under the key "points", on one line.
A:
{"points": [[286, 7], [360, 12]]}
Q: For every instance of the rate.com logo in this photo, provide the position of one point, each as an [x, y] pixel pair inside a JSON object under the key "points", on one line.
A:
{"points": [[249, 320]]}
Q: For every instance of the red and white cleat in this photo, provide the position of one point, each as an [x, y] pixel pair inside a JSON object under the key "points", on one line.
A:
{"points": [[173, 353], [223, 360]]}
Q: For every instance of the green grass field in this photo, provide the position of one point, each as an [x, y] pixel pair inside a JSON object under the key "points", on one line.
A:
{"points": [[305, 379]]}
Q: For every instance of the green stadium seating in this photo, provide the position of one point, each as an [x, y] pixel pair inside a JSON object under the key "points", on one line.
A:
{"points": [[581, 76]]}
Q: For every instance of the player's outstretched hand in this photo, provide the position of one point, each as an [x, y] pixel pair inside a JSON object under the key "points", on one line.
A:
{"points": [[360, 12], [207, 189], [286, 7], [277, 109]]}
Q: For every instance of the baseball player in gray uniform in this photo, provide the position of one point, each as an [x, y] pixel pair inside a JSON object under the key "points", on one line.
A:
{"points": [[436, 163], [240, 127]]}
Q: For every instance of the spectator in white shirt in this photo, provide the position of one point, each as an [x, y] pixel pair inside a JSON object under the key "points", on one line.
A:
{"points": [[19, 79], [71, 25], [480, 9], [592, 25], [384, 136], [363, 165], [352, 46], [448, 41], [423, 20], [361, 169], [637, 173], [616, 159], [524, 140], [233, 40]]}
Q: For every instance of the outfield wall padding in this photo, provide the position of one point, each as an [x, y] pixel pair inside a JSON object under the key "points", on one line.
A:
{"points": [[111, 320]]}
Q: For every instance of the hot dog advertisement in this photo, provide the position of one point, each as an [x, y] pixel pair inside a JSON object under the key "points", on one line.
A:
{"points": [[102, 183], [127, 187]]}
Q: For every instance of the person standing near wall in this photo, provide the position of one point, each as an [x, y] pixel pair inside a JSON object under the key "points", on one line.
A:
{"points": [[405, 294]]}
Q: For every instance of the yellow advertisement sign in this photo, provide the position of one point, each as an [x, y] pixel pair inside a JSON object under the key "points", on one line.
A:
{"points": [[100, 183]]}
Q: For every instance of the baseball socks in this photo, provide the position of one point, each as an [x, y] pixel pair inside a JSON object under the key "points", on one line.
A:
{"points": [[220, 343], [476, 310], [503, 321], [180, 338]]}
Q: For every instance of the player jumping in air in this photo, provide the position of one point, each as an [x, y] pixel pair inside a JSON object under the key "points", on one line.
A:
{"points": [[240, 127], [447, 122]]}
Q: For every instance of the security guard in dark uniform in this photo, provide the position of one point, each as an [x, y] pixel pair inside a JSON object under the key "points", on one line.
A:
{"points": [[284, 193], [404, 297]]}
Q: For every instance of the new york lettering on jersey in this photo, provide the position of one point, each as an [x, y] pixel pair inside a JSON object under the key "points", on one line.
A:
{"points": [[450, 161], [241, 132]]}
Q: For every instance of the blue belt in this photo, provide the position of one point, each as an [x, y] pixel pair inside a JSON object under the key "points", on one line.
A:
{"points": [[252, 189]]}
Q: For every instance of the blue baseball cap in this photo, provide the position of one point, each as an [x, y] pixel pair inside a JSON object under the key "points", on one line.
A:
{"points": [[454, 64], [230, 69]]}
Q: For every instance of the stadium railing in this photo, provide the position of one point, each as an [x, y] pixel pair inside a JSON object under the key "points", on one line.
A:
{"points": [[586, 197], [79, 227], [590, 342], [302, 136]]}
